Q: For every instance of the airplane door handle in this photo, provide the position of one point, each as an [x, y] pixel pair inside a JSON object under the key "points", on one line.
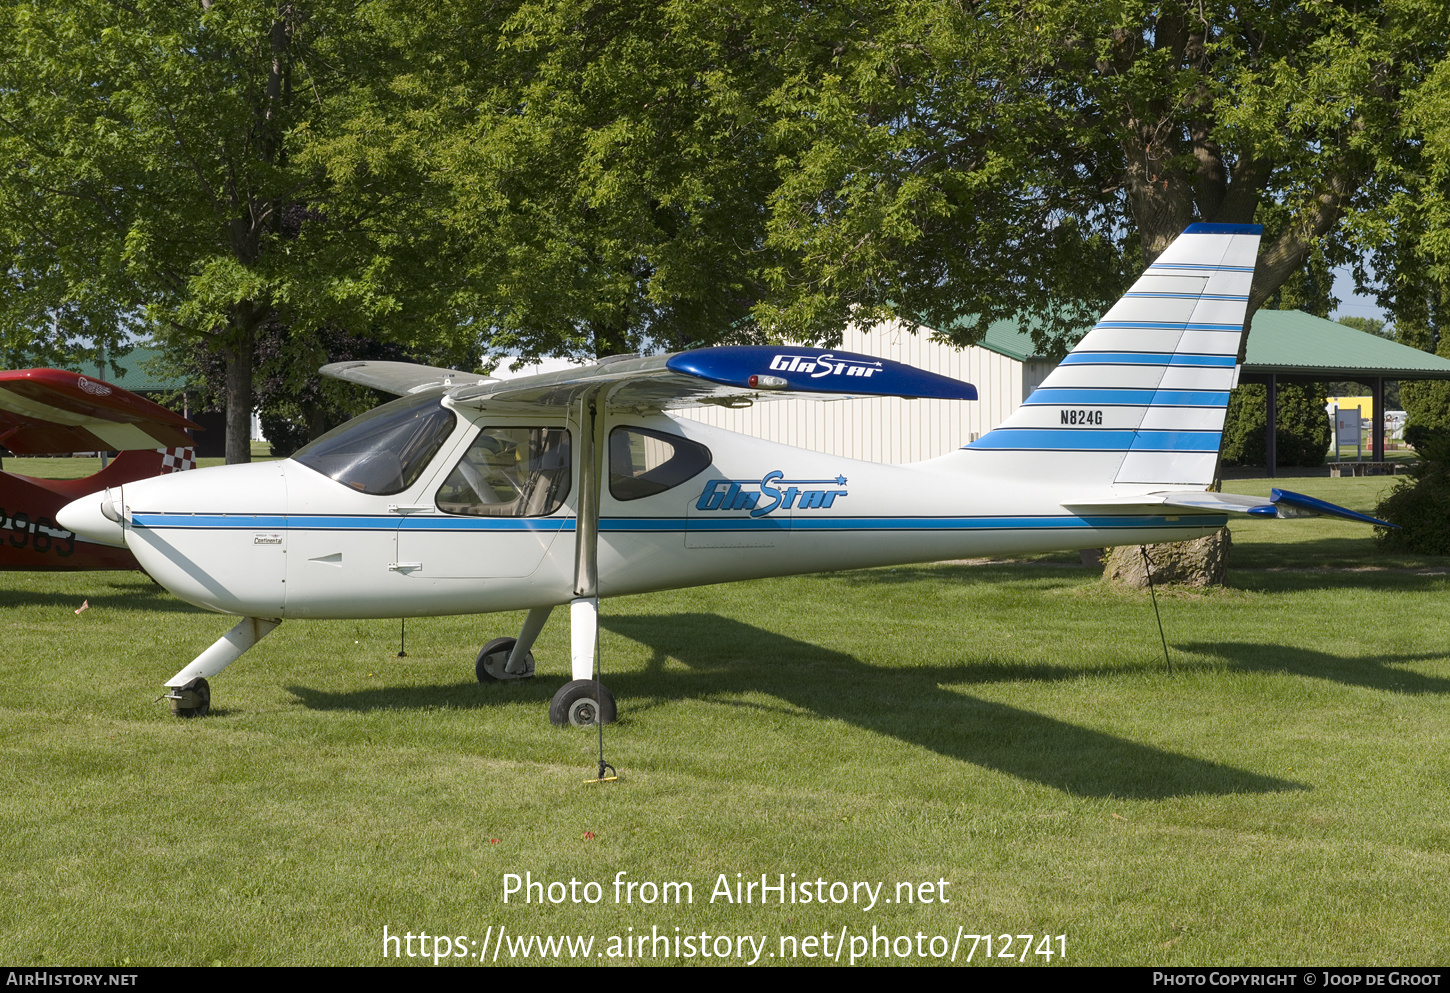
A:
{"points": [[404, 566]]}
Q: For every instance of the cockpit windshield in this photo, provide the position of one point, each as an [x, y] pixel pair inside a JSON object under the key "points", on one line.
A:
{"points": [[385, 450]]}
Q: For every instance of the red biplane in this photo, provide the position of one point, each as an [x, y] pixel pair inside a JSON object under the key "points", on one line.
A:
{"points": [[51, 411]]}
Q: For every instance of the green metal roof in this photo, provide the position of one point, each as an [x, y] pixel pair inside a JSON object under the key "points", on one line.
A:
{"points": [[1293, 343], [1285, 343], [142, 372], [1006, 338]]}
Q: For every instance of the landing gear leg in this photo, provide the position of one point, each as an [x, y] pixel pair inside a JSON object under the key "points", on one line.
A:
{"points": [[583, 702], [190, 694]]}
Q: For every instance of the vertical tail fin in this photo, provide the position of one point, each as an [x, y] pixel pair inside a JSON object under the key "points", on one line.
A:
{"points": [[1142, 397]]}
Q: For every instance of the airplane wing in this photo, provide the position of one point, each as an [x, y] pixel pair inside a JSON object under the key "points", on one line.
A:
{"points": [[1281, 504], [735, 375], [401, 378], [51, 410]]}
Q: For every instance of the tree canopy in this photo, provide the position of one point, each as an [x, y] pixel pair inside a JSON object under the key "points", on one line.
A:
{"points": [[669, 172], [153, 176], [593, 176]]}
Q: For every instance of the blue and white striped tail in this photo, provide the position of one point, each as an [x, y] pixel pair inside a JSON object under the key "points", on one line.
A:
{"points": [[1142, 397]]}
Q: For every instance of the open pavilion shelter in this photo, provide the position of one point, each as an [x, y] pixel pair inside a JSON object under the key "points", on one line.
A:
{"points": [[1292, 346]]}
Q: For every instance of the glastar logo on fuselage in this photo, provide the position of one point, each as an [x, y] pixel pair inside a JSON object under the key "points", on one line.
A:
{"points": [[824, 365], [772, 492]]}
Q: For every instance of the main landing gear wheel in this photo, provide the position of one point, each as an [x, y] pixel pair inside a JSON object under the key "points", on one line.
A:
{"points": [[191, 700], [494, 656], [575, 705]]}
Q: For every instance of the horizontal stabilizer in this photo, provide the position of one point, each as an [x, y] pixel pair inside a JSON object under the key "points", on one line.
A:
{"points": [[1281, 504], [1298, 505]]}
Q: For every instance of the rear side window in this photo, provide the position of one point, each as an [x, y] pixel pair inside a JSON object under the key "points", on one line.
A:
{"points": [[644, 462], [385, 450], [509, 472]]}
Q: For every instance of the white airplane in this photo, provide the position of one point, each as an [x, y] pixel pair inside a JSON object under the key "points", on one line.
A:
{"points": [[471, 495]]}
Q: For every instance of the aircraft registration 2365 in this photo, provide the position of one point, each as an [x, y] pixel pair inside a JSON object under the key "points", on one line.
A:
{"points": [[469, 495]]}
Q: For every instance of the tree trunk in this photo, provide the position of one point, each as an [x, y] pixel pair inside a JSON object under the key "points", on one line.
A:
{"points": [[237, 353], [1202, 562]]}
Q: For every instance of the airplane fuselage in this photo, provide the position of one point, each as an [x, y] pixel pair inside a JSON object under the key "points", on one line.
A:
{"points": [[282, 540]]}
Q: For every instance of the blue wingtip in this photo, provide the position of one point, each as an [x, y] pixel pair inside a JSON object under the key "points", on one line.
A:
{"points": [[812, 370], [1313, 505]]}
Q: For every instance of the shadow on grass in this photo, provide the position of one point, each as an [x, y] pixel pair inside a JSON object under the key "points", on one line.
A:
{"points": [[1330, 563], [1371, 673], [1334, 552], [452, 696], [909, 705], [1293, 579], [126, 595], [1043, 570]]}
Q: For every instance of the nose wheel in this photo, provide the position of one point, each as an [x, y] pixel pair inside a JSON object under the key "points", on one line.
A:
{"points": [[191, 700], [582, 703], [493, 659]]}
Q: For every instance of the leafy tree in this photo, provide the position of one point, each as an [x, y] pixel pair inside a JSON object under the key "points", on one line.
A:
{"points": [[661, 172], [601, 170], [152, 173], [294, 403], [1369, 325], [1420, 502], [588, 176], [1303, 433], [1426, 401], [1282, 113]]}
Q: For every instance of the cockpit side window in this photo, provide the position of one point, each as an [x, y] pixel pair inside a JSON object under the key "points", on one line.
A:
{"points": [[385, 450], [510, 472], [644, 462]]}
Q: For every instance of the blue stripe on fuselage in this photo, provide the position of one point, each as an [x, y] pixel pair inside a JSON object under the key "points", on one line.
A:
{"points": [[246, 522], [362, 522]]}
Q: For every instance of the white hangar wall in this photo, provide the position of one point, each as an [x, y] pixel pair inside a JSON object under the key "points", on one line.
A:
{"points": [[890, 429]]}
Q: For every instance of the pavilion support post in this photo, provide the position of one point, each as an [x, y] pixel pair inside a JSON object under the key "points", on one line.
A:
{"points": [[1271, 435], [1377, 420]]}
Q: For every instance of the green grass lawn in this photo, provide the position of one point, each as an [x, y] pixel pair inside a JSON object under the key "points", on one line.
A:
{"points": [[1279, 797]]}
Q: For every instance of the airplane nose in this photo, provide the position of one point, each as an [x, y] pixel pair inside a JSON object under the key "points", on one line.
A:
{"points": [[89, 519]]}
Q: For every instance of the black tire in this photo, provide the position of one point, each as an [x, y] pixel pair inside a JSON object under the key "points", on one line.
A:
{"points": [[575, 705], [494, 656], [196, 699]]}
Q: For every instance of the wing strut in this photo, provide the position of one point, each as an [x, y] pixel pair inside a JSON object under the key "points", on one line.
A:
{"points": [[584, 700]]}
